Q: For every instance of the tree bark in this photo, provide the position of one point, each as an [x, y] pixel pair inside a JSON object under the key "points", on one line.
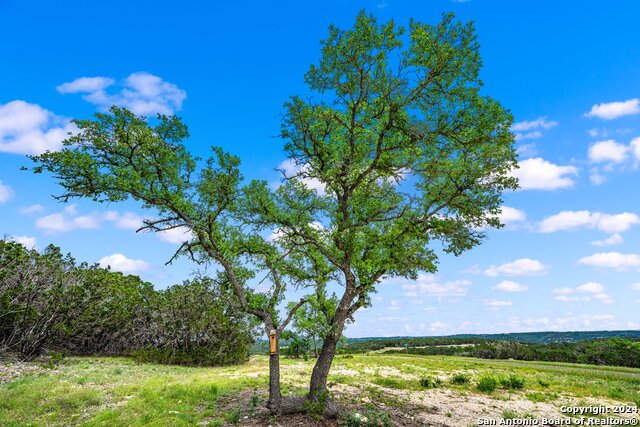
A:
{"points": [[275, 395]]}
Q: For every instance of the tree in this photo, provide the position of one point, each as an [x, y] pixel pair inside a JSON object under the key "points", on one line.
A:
{"points": [[402, 150], [313, 319], [403, 145], [119, 156]]}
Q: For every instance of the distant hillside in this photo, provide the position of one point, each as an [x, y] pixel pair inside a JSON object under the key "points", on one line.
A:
{"points": [[546, 337], [358, 345], [554, 337]]}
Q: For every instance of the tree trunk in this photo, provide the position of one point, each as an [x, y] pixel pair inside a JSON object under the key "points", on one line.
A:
{"points": [[318, 385], [275, 395]]}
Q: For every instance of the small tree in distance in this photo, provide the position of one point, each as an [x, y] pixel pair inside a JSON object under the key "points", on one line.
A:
{"points": [[313, 319]]}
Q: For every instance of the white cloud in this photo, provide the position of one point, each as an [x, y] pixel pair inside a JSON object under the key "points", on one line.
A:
{"points": [[527, 150], [31, 209], [291, 169], [530, 135], [5, 193], [613, 260], [598, 133], [26, 241], [68, 220], [600, 321], [176, 235], [519, 267], [565, 298], [510, 286], [572, 220], [635, 147], [617, 223], [527, 129], [635, 286], [86, 85], [613, 110], [510, 215], [596, 177], [614, 239], [562, 291], [608, 151], [30, 129], [437, 326], [428, 285], [127, 220], [140, 92], [119, 262], [539, 174], [603, 298], [591, 287], [540, 122], [496, 303]]}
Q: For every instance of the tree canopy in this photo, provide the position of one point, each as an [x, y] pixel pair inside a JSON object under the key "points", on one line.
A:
{"points": [[396, 149]]}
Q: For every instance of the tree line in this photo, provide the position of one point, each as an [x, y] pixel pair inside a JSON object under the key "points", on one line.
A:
{"points": [[610, 351], [50, 302]]}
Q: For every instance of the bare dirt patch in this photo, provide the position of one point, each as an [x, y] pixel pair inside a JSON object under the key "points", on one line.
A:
{"points": [[11, 369]]}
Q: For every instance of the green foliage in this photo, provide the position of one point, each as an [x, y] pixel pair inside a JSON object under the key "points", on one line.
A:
{"points": [[404, 149], [51, 303], [430, 382], [487, 383], [512, 382], [543, 383], [234, 416], [397, 133], [509, 415], [313, 320], [460, 379], [315, 407], [196, 323], [295, 345]]}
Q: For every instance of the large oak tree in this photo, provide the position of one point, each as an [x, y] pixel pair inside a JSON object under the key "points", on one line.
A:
{"points": [[395, 149], [399, 143]]}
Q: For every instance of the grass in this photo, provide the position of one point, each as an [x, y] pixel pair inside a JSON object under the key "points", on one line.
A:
{"points": [[118, 391]]}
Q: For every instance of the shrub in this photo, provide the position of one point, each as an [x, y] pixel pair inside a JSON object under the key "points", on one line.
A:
{"points": [[460, 379], [430, 382], [513, 382], [487, 384], [543, 383], [49, 302]]}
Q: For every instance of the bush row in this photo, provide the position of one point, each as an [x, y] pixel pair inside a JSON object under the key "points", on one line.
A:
{"points": [[48, 302]]}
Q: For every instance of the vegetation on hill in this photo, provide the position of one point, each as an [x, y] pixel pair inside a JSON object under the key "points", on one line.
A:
{"points": [[612, 351]]}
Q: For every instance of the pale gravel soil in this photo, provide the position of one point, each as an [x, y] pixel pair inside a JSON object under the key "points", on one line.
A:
{"points": [[11, 369]]}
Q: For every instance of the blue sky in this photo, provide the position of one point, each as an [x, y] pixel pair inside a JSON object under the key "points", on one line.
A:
{"points": [[569, 256]]}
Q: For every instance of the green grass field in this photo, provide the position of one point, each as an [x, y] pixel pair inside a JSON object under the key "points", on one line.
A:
{"points": [[414, 390]]}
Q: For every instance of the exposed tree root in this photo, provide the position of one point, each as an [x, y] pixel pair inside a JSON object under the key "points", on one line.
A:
{"points": [[300, 404]]}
